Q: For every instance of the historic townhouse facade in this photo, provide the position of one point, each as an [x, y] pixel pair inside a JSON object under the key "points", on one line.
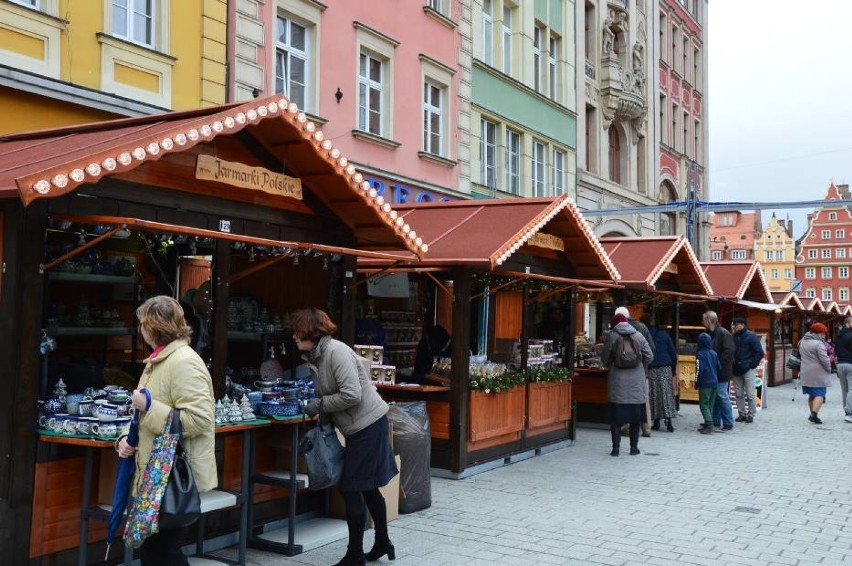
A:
{"points": [[775, 249], [680, 113], [617, 151], [823, 261], [523, 100], [64, 62], [384, 83], [733, 235]]}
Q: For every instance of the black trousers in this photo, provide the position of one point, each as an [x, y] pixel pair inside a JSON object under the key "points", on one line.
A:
{"points": [[163, 549]]}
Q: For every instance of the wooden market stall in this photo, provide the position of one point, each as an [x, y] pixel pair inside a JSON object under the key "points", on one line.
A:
{"points": [[741, 290], [791, 324], [491, 262], [98, 217], [661, 277]]}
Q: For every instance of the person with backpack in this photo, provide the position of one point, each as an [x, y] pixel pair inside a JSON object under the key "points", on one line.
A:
{"points": [[707, 368], [627, 354], [642, 329]]}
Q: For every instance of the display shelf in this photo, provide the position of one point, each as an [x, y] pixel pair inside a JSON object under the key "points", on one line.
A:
{"points": [[90, 331], [90, 278], [241, 336], [402, 344]]}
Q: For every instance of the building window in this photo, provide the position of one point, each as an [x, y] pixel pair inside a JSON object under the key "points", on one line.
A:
{"points": [[779, 255], [676, 141], [614, 155], [844, 294], [487, 33], [810, 292], [513, 162], [832, 216], [840, 253], [675, 53], [664, 121], [810, 273], [686, 138], [826, 253], [826, 234], [843, 272], [738, 254], [696, 147], [29, 3], [662, 47], [826, 293], [558, 172], [826, 273], [436, 5], [291, 60], [813, 254], [774, 274], [696, 68], [553, 76], [538, 40], [839, 234], [788, 273], [488, 154], [716, 255], [539, 166], [767, 256], [507, 39], [134, 20], [433, 118], [685, 50], [370, 94]]}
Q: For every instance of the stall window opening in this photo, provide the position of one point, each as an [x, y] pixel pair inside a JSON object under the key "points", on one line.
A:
{"points": [[291, 60]]}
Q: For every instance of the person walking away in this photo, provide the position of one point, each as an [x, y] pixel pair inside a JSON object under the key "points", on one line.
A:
{"points": [[174, 377], [349, 400], [843, 349], [724, 346], [661, 376], [627, 355], [747, 356], [643, 330], [815, 372], [707, 367]]}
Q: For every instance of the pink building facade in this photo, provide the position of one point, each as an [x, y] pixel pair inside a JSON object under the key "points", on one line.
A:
{"points": [[733, 235], [380, 78], [823, 261]]}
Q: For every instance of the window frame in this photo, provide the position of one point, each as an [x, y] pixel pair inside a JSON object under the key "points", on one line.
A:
{"points": [[513, 161], [538, 172], [487, 149], [813, 254], [506, 33], [488, 32], [366, 86], [810, 292], [843, 272], [832, 216], [538, 60], [558, 173], [738, 254], [826, 253], [827, 272], [839, 234], [430, 111], [827, 294], [825, 234], [554, 43], [716, 255], [378, 46], [810, 273], [129, 6], [840, 253], [290, 51], [843, 294], [774, 273], [788, 273]]}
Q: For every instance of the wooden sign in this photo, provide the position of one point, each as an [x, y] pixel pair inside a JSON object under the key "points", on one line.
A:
{"points": [[542, 240], [211, 168]]}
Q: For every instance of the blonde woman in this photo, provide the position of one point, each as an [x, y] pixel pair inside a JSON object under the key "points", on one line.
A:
{"points": [[175, 377]]}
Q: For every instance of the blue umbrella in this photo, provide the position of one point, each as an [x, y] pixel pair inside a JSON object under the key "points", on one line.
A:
{"points": [[123, 479]]}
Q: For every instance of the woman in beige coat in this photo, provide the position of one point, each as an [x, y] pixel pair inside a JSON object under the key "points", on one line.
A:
{"points": [[175, 377]]}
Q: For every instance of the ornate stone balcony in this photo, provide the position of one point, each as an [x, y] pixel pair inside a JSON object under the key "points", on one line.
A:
{"points": [[622, 92]]}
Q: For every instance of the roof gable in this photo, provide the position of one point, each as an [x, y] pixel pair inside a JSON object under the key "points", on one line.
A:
{"points": [[738, 280]]}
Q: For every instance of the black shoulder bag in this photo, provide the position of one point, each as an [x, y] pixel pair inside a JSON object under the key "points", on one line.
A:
{"points": [[181, 505]]}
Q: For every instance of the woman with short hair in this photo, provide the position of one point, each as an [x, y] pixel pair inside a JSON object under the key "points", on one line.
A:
{"points": [[815, 371], [349, 400]]}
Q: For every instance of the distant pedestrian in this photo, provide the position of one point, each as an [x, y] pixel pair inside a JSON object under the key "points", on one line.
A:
{"points": [[661, 376], [723, 345], [816, 368], [643, 330], [627, 386], [747, 356], [707, 368], [843, 347]]}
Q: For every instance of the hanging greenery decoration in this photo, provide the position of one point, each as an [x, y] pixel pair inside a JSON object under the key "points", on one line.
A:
{"points": [[548, 375], [497, 383]]}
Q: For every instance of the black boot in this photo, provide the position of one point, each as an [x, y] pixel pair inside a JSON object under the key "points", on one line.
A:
{"points": [[656, 425], [381, 548], [615, 432], [669, 426], [352, 558], [634, 439]]}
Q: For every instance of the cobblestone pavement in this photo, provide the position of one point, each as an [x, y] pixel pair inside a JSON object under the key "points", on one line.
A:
{"points": [[773, 492]]}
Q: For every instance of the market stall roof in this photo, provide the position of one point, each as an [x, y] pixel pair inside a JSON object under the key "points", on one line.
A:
{"points": [[788, 298], [161, 150], [815, 305], [833, 307], [486, 233], [847, 310], [646, 262], [734, 280]]}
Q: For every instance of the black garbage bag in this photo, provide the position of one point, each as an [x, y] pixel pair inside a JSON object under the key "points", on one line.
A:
{"points": [[412, 440]]}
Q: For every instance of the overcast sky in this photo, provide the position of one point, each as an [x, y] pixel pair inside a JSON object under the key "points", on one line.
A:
{"points": [[780, 116]]}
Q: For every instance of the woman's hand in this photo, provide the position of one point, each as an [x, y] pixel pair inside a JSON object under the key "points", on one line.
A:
{"points": [[139, 400], [124, 449]]}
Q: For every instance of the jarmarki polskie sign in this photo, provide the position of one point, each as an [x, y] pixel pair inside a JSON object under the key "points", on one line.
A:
{"points": [[211, 168]]}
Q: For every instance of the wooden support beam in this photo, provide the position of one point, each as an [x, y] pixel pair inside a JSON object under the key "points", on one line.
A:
{"points": [[460, 379]]}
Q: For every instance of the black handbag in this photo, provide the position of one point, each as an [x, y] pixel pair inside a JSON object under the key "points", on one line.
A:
{"points": [[323, 455], [181, 505]]}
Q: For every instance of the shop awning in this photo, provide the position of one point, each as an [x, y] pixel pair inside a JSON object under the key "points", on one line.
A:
{"points": [[734, 280], [645, 263], [486, 233], [762, 306], [161, 150]]}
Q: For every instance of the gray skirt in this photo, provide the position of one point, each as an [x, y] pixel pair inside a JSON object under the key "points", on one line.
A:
{"points": [[661, 393]]}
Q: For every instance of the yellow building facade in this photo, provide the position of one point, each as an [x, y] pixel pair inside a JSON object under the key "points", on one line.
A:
{"points": [[64, 62], [775, 249]]}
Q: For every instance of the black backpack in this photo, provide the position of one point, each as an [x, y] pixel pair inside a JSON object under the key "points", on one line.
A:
{"points": [[627, 353]]}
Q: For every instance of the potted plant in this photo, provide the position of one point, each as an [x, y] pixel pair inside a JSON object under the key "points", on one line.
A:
{"points": [[548, 399], [496, 408]]}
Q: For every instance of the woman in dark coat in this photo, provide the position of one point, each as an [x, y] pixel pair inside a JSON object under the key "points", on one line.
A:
{"points": [[627, 386], [661, 377], [815, 372]]}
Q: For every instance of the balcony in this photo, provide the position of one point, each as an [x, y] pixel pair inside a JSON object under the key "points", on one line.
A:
{"points": [[623, 91]]}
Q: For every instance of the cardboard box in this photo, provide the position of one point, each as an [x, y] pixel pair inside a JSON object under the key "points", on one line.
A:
{"points": [[390, 492]]}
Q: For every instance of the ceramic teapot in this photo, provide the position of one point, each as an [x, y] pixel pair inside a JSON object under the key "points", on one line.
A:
{"points": [[105, 412]]}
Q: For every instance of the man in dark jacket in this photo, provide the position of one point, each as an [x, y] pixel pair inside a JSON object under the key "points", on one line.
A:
{"points": [[723, 345], [747, 356], [843, 349]]}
